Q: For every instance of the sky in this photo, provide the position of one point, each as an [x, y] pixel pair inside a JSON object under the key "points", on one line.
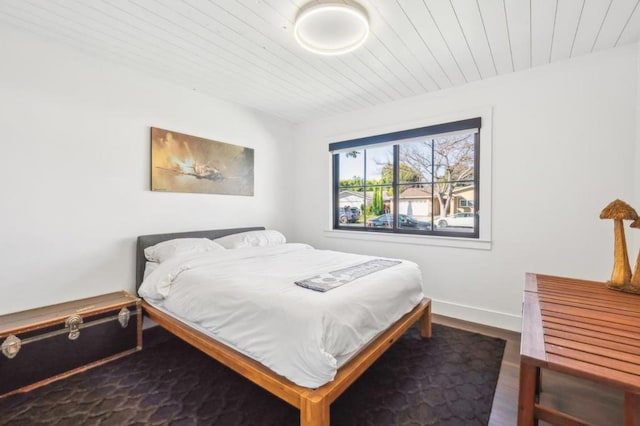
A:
{"points": [[350, 167]]}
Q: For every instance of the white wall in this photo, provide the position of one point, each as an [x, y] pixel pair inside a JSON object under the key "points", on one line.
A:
{"points": [[563, 147], [75, 170], [634, 240]]}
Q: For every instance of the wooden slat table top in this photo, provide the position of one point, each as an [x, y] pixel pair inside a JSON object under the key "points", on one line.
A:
{"points": [[582, 328]]}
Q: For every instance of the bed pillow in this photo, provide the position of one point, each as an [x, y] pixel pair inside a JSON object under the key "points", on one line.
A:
{"points": [[179, 246], [149, 267], [264, 238]]}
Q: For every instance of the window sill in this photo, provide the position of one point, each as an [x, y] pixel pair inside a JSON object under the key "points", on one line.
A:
{"points": [[420, 240]]}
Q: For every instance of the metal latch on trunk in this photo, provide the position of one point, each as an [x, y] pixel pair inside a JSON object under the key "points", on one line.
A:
{"points": [[123, 317], [11, 346], [73, 324]]}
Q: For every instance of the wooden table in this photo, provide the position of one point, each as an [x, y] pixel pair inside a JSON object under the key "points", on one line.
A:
{"points": [[580, 328]]}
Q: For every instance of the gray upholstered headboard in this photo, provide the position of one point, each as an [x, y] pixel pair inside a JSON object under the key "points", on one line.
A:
{"points": [[145, 241]]}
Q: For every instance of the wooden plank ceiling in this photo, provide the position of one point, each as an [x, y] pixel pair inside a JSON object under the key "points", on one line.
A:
{"points": [[244, 51]]}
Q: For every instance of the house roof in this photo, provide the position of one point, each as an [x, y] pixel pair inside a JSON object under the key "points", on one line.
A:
{"points": [[355, 196], [463, 189], [418, 193], [414, 193], [407, 194]]}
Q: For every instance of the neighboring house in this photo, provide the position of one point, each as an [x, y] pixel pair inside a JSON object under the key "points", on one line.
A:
{"points": [[354, 199], [417, 202], [463, 200], [357, 199]]}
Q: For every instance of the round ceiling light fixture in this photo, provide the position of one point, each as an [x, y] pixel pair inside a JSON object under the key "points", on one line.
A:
{"points": [[331, 28]]}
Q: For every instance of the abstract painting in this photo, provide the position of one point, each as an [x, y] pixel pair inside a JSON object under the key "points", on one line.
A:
{"points": [[184, 163]]}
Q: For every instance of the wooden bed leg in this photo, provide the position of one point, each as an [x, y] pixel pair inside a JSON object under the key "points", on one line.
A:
{"points": [[314, 411], [425, 321]]}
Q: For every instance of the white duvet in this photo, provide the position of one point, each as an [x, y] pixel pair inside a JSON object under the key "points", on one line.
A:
{"points": [[247, 299]]}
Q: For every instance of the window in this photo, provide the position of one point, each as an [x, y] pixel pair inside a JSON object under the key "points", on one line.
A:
{"points": [[421, 181]]}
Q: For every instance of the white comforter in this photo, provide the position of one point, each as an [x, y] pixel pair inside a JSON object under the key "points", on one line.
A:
{"points": [[247, 299]]}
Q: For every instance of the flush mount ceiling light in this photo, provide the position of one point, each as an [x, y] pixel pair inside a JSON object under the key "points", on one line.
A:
{"points": [[331, 28]]}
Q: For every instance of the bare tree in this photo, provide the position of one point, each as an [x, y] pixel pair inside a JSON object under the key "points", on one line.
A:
{"points": [[446, 161]]}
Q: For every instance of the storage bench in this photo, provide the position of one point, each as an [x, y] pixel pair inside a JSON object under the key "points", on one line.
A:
{"points": [[45, 344]]}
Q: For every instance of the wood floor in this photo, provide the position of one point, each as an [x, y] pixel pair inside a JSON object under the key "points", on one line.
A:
{"points": [[596, 404]]}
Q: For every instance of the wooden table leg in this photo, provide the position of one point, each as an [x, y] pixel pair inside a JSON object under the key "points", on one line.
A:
{"points": [[631, 417], [527, 394]]}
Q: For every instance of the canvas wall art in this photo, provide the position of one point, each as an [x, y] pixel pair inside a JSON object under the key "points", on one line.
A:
{"points": [[185, 163]]}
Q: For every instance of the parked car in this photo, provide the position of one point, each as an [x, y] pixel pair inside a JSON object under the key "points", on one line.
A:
{"points": [[463, 219], [404, 221], [348, 215], [355, 212]]}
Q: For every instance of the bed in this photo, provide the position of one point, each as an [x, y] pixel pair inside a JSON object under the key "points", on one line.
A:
{"points": [[313, 402]]}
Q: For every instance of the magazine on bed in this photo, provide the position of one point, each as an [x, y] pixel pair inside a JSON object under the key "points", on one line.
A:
{"points": [[330, 280]]}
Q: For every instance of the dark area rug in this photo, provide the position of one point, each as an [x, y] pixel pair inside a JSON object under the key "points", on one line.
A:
{"points": [[447, 380]]}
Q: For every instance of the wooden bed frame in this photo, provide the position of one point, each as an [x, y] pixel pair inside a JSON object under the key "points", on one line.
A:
{"points": [[313, 403]]}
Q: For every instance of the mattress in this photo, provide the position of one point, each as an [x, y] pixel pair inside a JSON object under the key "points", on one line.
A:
{"points": [[247, 298]]}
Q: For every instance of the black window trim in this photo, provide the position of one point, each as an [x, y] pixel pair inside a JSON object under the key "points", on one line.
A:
{"points": [[454, 126], [437, 129]]}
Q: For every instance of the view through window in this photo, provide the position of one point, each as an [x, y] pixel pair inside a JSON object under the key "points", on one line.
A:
{"points": [[418, 181]]}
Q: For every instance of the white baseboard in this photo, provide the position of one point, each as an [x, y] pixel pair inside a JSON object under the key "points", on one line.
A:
{"points": [[477, 315]]}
